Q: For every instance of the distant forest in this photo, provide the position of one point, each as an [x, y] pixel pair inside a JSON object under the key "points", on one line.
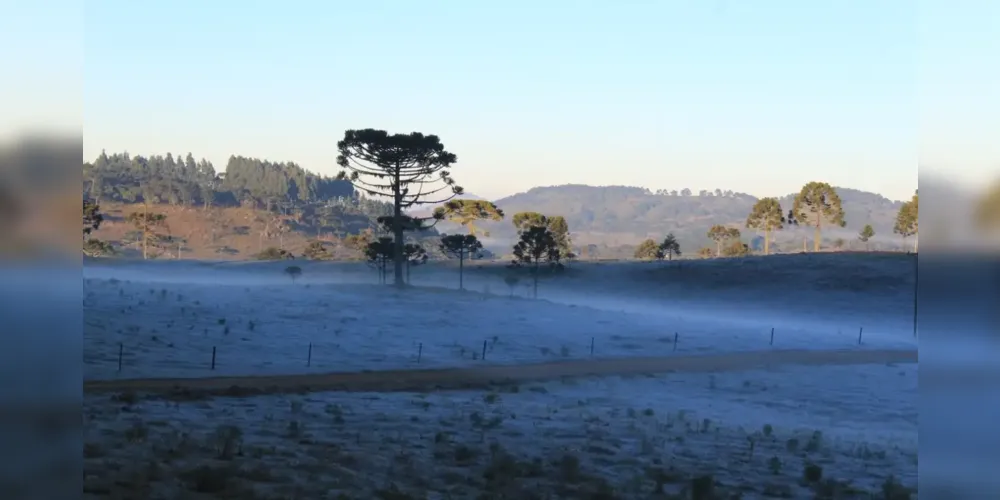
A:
{"points": [[250, 182]]}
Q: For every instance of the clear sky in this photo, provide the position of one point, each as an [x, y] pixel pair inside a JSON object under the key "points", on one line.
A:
{"points": [[758, 96]]}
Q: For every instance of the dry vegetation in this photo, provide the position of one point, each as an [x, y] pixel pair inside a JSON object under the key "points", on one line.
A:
{"points": [[531, 442], [574, 438], [214, 234]]}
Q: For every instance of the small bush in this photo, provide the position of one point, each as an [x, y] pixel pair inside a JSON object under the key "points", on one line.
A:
{"points": [[774, 464], [703, 488], [812, 473], [273, 253], [293, 272]]}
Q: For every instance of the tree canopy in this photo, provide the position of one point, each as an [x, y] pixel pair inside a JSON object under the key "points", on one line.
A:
{"points": [[907, 219], [378, 254], [556, 225], [467, 212], [648, 250], [670, 247], [766, 215], [92, 217], [818, 205], [460, 246], [410, 169], [721, 234], [168, 179], [536, 245]]}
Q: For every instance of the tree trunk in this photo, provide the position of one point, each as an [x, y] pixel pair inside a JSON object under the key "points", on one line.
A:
{"points": [[145, 229], [816, 236], [767, 246], [461, 271], [915, 241], [718, 248], [397, 231], [535, 292]]}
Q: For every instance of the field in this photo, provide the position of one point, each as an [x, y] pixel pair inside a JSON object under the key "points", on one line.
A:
{"points": [[619, 381]]}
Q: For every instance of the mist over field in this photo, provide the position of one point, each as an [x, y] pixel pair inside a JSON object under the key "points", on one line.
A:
{"points": [[681, 350], [827, 290]]}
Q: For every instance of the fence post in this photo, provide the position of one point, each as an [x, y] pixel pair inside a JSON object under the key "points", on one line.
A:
{"points": [[772, 335], [309, 357], [121, 349], [213, 357], [591, 346], [420, 351], [675, 341], [484, 350], [860, 330]]}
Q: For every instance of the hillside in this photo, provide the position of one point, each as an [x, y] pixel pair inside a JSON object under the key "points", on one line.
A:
{"points": [[221, 233], [233, 233], [620, 215], [255, 204]]}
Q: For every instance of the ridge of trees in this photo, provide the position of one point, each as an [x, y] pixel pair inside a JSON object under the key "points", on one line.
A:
{"points": [[414, 169], [611, 217], [125, 178]]}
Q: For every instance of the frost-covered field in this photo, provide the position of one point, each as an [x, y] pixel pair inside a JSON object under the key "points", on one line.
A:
{"points": [[165, 319], [788, 431], [753, 432]]}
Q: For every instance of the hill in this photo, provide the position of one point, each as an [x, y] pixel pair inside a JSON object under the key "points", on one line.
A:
{"points": [[252, 205], [613, 216], [235, 213], [125, 178]]}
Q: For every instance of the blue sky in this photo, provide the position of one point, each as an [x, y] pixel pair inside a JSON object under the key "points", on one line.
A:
{"points": [[755, 96]]}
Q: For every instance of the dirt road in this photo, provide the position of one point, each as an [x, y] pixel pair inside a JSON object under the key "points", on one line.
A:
{"points": [[479, 377]]}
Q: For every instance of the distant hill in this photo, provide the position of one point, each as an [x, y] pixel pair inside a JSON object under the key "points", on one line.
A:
{"points": [[607, 220], [622, 215]]}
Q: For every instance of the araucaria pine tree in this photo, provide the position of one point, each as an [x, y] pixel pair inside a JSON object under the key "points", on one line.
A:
{"points": [[378, 253], [719, 234], [556, 225], [818, 205], [767, 216], [410, 169], [92, 217], [461, 246], [866, 234], [907, 220], [415, 255], [536, 245], [648, 250], [148, 224], [670, 247], [467, 212]]}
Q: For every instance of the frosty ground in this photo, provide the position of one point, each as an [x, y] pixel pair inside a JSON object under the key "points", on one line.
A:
{"points": [[754, 431], [166, 319]]}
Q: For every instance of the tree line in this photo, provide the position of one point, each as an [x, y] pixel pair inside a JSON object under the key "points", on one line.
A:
{"points": [[124, 178], [415, 169], [284, 195], [817, 205]]}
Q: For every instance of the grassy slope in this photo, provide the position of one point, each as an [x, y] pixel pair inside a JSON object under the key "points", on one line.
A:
{"points": [[235, 228]]}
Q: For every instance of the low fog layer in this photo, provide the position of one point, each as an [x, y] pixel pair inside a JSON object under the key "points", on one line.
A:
{"points": [[845, 291]]}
